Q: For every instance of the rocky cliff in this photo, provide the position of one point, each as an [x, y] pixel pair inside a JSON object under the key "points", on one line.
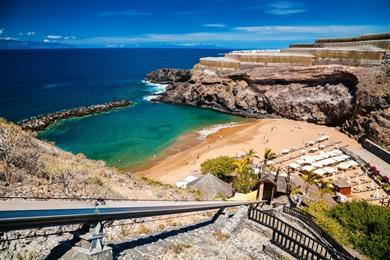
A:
{"points": [[356, 100]]}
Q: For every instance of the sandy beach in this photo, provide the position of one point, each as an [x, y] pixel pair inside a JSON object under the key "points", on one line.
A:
{"points": [[277, 134]]}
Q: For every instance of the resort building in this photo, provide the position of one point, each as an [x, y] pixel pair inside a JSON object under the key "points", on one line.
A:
{"points": [[342, 186], [365, 50]]}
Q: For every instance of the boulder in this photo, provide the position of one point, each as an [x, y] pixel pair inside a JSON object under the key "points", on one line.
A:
{"points": [[164, 76], [212, 186]]}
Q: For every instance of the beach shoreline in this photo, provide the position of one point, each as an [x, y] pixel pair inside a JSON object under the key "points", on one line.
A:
{"points": [[187, 141], [184, 157]]}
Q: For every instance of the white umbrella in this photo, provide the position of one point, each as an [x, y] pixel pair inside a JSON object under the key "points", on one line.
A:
{"points": [[307, 168], [294, 165]]}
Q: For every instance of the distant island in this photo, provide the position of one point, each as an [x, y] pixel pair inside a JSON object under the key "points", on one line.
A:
{"points": [[9, 44]]}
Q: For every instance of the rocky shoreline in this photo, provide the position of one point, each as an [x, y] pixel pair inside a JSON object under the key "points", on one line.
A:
{"points": [[41, 122], [356, 100]]}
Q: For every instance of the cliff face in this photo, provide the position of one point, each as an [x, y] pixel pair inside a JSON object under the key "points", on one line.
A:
{"points": [[354, 99]]}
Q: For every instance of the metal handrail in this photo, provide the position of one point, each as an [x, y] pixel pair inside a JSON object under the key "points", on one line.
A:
{"points": [[37, 218], [309, 220], [304, 244]]}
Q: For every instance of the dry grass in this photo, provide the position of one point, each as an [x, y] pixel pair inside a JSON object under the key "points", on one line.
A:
{"points": [[220, 236], [143, 229], [178, 248]]}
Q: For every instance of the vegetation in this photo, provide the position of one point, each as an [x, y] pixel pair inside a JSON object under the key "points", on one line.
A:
{"points": [[239, 166], [219, 235], [367, 227], [250, 154], [246, 181], [310, 178], [326, 187], [364, 226], [221, 167], [319, 210], [268, 155], [178, 248]]}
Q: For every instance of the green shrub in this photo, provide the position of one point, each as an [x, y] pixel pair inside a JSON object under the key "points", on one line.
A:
{"points": [[246, 181], [319, 210], [220, 167], [367, 226], [364, 226]]}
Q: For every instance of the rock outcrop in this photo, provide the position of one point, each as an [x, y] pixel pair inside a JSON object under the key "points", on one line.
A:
{"points": [[355, 99], [165, 75], [41, 122]]}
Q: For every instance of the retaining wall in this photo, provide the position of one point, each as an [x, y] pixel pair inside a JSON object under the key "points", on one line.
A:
{"points": [[377, 150], [220, 64], [272, 58], [383, 44], [366, 37]]}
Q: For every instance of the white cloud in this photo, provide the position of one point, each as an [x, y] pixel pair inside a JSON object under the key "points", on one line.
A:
{"points": [[279, 8], [320, 29], [69, 38], [239, 36], [46, 40], [214, 25], [285, 8], [186, 12], [54, 37], [2, 30], [123, 13], [27, 33], [8, 38]]}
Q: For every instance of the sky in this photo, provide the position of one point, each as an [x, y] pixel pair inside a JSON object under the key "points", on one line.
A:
{"points": [[263, 24]]}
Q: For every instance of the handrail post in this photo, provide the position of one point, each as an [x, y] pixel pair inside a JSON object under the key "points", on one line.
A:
{"points": [[91, 245]]}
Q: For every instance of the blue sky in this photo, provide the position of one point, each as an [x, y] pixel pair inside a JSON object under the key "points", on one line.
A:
{"points": [[201, 23]]}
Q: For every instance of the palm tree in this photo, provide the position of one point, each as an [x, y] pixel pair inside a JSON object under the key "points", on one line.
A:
{"points": [[326, 187], [268, 155], [250, 154], [310, 178], [240, 165]]}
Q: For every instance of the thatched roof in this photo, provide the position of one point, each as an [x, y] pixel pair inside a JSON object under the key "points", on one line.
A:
{"points": [[210, 186]]}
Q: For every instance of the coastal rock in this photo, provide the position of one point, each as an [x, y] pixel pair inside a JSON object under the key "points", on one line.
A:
{"points": [[41, 122], [165, 75], [353, 98]]}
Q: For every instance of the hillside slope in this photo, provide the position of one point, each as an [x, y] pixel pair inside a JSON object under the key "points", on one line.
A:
{"points": [[30, 167]]}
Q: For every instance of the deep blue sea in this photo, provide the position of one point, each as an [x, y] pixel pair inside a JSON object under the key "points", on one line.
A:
{"points": [[33, 82]]}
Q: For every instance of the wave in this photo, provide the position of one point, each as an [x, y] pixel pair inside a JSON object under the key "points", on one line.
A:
{"points": [[150, 98], [53, 85], [155, 89], [203, 133]]}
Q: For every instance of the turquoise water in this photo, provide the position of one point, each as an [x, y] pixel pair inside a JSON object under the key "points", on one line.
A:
{"points": [[124, 137]]}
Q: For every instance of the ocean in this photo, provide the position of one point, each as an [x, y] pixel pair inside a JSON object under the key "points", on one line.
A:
{"points": [[34, 82]]}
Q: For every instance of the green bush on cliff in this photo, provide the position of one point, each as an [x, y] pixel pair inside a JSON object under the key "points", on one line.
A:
{"points": [[364, 226], [367, 227], [320, 209], [246, 181], [221, 167]]}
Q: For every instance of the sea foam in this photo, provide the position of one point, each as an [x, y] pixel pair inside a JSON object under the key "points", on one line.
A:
{"points": [[203, 133], [154, 88]]}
